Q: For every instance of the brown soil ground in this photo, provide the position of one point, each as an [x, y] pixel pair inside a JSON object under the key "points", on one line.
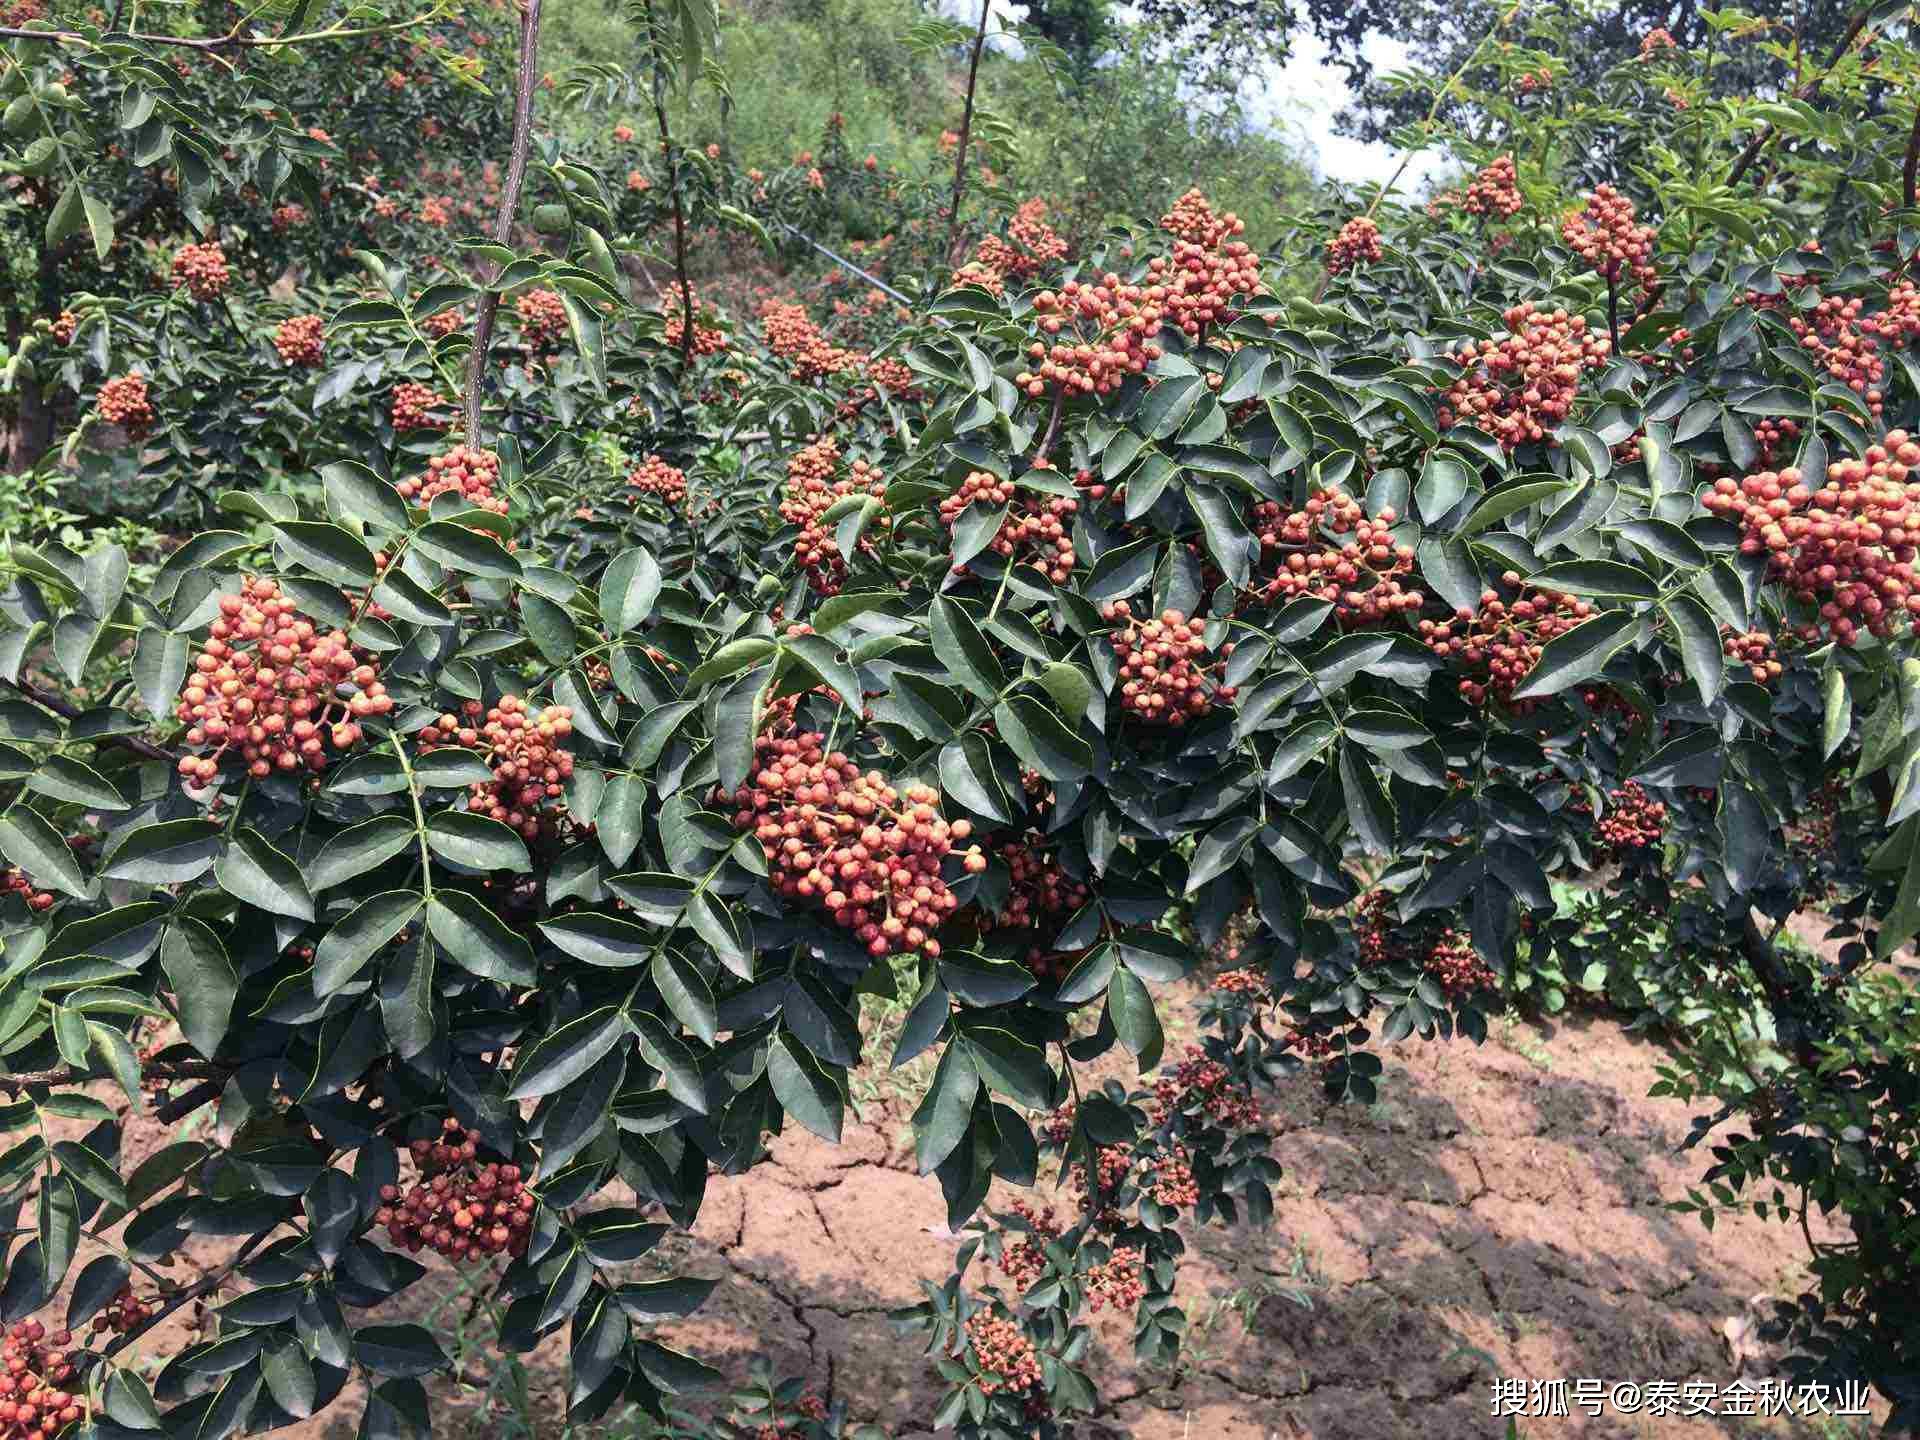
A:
{"points": [[1497, 1213]]}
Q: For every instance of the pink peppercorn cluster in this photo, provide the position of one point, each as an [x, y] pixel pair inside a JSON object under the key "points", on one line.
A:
{"points": [[1115, 1281], [1208, 267], [1633, 820], [1037, 530], [33, 1403], [868, 854], [543, 319], [1519, 387], [653, 476], [1329, 549], [1005, 1357], [123, 401], [1603, 234], [14, 881], [1843, 343], [1494, 191], [1093, 335], [299, 339], [267, 686], [412, 407], [473, 475], [1024, 1260], [526, 751], [202, 270], [464, 1210], [1500, 643], [1847, 547], [1754, 650], [1197, 1085], [1358, 243], [811, 492], [1163, 667]]}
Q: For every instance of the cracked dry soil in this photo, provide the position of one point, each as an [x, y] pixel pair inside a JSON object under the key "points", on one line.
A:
{"points": [[1497, 1213]]}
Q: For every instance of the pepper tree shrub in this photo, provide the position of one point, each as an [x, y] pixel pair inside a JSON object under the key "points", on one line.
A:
{"points": [[498, 816]]}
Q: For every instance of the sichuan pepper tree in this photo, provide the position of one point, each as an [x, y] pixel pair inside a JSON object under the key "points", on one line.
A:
{"points": [[504, 812]]}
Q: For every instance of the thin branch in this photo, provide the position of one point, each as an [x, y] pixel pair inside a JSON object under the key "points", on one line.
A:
{"points": [[194, 1291], [47, 698], [171, 1112], [673, 185], [527, 80], [1803, 92], [156, 1070], [1053, 431], [966, 137]]}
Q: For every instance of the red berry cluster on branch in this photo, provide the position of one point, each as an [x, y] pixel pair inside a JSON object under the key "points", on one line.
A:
{"points": [[811, 492], [1005, 1356], [1163, 672], [1603, 234], [1357, 568], [1196, 1085], [531, 765], [1358, 243], [1775, 438], [1037, 529], [1095, 336], [1899, 323], [892, 374], [63, 327], [1040, 897], [543, 319], [791, 334], [1115, 1281], [1208, 266], [653, 476], [14, 881], [1634, 820], [1439, 951], [708, 338], [1842, 344], [473, 475], [267, 686], [443, 323], [123, 402], [33, 1404], [1655, 40], [457, 1206], [1245, 983], [1754, 649], [1517, 388], [1169, 1179], [1500, 643], [869, 854], [289, 217], [1494, 191], [202, 269], [1024, 1260], [1848, 547], [300, 340], [1534, 82], [412, 407], [1030, 246], [125, 1312]]}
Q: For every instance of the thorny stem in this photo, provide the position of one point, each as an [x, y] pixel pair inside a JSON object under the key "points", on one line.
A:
{"points": [[1803, 92], [966, 136], [1053, 431], [144, 748], [673, 187], [526, 81]]}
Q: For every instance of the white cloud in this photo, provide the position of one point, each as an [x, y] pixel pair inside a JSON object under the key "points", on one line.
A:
{"points": [[1302, 97]]}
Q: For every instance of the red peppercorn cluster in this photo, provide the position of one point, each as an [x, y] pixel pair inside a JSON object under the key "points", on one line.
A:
{"points": [[458, 1207], [1040, 895], [1330, 550], [14, 881], [1655, 40], [1004, 1355], [1754, 649], [1195, 1085], [1517, 388], [1534, 82], [1457, 967], [812, 490], [1172, 1182], [1775, 438], [1248, 983], [1163, 675], [1495, 191], [1208, 266], [267, 684], [1030, 245], [531, 766], [443, 323], [1358, 243], [299, 339], [289, 217], [1842, 344], [708, 339], [1115, 1281], [868, 854], [1847, 547], [32, 1403], [1898, 324], [1501, 641], [202, 269], [1037, 529], [1634, 820], [64, 327], [791, 334], [543, 319], [1024, 1260], [1603, 234], [892, 374], [124, 1312], [474, 475], [653, 476], [1098, 333], [436, 210], [123, 402], [413, 405]]}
